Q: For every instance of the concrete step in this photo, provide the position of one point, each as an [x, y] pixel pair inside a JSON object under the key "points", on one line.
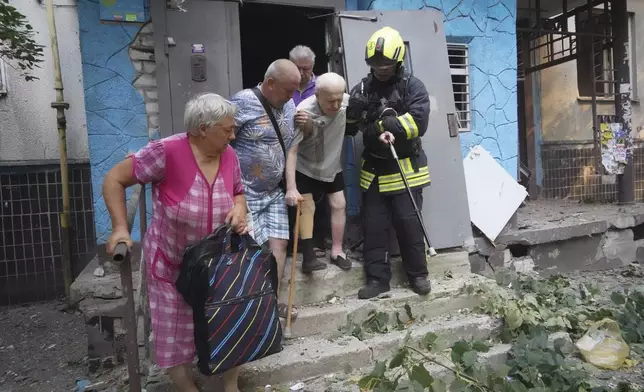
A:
{"points": [[331, 317], [347, 382], [321, 286], [342, 382], [313, 356]]}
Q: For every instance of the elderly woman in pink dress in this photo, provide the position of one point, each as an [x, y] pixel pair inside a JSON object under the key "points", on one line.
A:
{"points": [[196, 186]]}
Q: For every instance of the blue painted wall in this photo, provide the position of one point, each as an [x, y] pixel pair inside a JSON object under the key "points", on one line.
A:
{"points": [[489, 28], [116, 118]]}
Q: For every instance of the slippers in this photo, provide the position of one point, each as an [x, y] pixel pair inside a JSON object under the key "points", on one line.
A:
{"points": [[341, 262]]}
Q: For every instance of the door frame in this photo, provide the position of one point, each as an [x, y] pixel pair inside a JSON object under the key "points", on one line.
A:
{"points": [[158, 11], [157, 15]]}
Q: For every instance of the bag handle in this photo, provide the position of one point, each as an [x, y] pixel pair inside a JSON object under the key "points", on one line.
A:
{"points": [[245, 241]]}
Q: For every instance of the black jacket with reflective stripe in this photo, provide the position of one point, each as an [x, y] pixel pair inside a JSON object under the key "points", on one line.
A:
{"points": [[408, 96]]}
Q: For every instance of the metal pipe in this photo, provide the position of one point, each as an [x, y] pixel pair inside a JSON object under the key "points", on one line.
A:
{"points": [[593, 102], [564, 33], [623, 108], [60, 105], [552, 63]]}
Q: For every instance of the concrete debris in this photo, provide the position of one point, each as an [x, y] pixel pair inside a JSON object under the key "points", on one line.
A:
{"points": [[559, 236], [524, 265], [99, 271], [297, 387]]}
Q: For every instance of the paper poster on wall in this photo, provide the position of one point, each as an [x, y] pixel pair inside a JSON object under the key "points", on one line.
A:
{"points": [[616, 144], [126, 11]]}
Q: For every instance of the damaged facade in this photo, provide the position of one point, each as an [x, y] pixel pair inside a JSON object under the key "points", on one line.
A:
{"points": [[553, 237], [568, 85]]}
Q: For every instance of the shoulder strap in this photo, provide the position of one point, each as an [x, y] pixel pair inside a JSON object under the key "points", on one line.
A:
{"points": [[404, 84], [269, 112]]}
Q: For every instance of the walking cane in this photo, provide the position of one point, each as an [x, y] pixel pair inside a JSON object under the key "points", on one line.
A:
{"points": [[291, 286], [432, 251]]}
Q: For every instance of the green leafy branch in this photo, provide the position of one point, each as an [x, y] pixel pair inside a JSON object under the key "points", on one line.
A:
{"points": [[524, 302], [531, 309], [16, 41], [406, 371], [378, 322], [533, 365]]}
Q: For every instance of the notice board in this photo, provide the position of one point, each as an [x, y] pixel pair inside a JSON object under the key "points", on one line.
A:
{"points": [[125, 11]]}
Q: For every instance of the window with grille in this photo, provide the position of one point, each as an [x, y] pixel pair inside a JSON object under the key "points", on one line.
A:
{"points": [[459, 65], [599, 51], [595, 54]]}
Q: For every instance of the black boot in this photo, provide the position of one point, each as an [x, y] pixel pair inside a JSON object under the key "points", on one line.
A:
{"points": [[373, 289], [420, 285], [310, 262]]}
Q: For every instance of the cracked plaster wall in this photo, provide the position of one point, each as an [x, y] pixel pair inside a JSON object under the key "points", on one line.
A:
{"points": [[489, 29], [116, 111], [27, 121], [564, 116]]}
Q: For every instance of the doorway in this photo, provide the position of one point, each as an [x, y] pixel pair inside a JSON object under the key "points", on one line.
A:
{"points": [[269, 32]]}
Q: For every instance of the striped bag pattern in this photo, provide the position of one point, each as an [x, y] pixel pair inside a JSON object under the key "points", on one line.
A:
{"points": [[238, 322]]}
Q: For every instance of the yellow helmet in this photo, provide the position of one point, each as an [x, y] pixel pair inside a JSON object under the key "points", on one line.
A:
{"points": [[385, 47]]}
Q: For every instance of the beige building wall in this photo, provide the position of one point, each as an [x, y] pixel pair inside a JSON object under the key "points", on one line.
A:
{"points": [[566, 116], [27, 121]]}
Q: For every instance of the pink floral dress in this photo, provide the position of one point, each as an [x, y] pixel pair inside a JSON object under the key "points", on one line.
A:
{"points": [[185, 209]]}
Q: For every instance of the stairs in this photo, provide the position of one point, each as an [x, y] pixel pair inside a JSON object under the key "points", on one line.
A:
{"points": [[325, 338], [323, 285]]}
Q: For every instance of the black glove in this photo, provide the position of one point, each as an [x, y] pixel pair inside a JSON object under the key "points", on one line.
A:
{"points": [[357, 105], [373, 129], [389, 123], [351, 129]]}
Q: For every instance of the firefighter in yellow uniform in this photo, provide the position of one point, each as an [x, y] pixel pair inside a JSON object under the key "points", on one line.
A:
{"points": [[390, 106]]}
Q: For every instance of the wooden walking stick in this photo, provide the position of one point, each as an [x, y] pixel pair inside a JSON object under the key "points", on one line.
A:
{"points": [[291, 289]]}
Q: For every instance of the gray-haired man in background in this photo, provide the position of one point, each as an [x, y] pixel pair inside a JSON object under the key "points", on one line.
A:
{"points": [[304, 58]]}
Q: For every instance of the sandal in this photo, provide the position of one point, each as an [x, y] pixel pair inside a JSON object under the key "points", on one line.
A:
{"points": [[282, 310]]}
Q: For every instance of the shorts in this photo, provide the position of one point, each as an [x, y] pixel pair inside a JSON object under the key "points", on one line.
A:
{"points": [[269, 216], [306, 184]]}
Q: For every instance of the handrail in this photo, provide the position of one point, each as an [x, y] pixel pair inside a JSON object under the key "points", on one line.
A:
{"points": [[122, 257]]}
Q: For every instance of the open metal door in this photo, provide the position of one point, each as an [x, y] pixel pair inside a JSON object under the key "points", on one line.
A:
{"points": [[445, 208], [197, 50]]}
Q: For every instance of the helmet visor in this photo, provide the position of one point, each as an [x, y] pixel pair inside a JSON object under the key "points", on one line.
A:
{"points": [[381, 62]]}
